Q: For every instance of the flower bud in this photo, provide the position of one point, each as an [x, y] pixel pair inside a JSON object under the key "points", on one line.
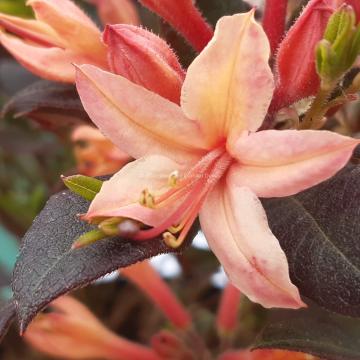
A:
{"points": [[338, 50], [117, 12], [145, 59], [184, 17], [295, 61]]}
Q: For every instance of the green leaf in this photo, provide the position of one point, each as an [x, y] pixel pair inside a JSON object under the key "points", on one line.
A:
{"points": [[85, 186], [314, 331]]}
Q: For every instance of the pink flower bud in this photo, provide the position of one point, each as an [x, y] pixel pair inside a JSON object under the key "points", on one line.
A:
{"points": [[184, 17], [145, 59], [227, 316], [151, 284], [117, 11], [295, 60]]}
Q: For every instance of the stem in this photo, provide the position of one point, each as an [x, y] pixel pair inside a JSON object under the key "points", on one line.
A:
{"points": [[314, 116], [274, 21], [150, 282]]}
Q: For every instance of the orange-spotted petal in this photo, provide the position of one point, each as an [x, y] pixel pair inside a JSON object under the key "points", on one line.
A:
{"points": [[235, 225], [136, 120], [229, 86], [277, 163]]}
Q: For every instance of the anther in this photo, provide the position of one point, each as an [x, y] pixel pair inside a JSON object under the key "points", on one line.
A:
{"points": [[173, 178], [147, 199], [171, 240]]}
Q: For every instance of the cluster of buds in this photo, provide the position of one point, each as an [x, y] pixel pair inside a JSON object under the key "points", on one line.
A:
{"points": [[338, 50]]}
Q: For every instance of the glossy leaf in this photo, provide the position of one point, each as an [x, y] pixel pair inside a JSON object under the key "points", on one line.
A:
{"points": [[48, 268], [314, 331], [319, 231], [7, 316]]}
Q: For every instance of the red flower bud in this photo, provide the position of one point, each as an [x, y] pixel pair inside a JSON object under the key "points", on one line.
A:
{"points": [[117, 11], [145, 59], [184, 17], [295, 61]]}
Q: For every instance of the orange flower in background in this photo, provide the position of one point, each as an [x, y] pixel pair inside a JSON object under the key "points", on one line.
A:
{"points": [[61, 35], [207, 158], [96, 155], [71, 331]]}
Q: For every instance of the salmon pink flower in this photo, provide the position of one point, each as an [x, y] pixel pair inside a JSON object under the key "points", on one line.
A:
{"points": [[61, 35], [71, 331], [95, 154], [205, 157]]}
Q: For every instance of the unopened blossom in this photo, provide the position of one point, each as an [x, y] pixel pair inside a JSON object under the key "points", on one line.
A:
{"points": [[145, 59], [96, 155], [295, 59], [71, 331], [62, 34], [185, 17], [206, 157], [117, 11]]}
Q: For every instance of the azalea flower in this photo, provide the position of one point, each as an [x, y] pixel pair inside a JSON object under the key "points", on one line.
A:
{"points": [[62, 34], [95, 155], [207, 158], [72, 331]]}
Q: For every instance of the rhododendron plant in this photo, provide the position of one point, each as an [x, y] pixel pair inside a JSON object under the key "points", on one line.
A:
{"points": [[228, 145], [207, 157]]}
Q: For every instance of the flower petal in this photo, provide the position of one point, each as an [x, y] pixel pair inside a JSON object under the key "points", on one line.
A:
{"points": [[277, 163], [119, 196], [235, 225], [71, 24], [49, 63], [136, 120], [229, 85], [33, 30]]}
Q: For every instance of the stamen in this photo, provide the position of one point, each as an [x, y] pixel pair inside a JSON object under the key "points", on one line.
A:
{"points": [[170, 240], [191, 190], [147, 199], [173, 178]]}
